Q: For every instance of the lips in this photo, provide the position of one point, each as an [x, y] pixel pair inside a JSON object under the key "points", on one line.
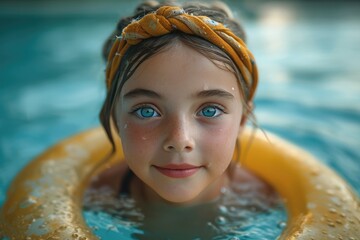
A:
{"points": [[178, 170]]}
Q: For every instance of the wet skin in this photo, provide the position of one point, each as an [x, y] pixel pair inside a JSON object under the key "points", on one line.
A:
{"points": [[179, 116]]}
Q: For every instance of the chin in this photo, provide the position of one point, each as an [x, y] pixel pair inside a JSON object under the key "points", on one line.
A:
{"points": [[180, 201], [181, 198]]}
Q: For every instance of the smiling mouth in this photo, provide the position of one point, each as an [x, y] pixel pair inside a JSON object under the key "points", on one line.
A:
{"points": [[178, 170]]}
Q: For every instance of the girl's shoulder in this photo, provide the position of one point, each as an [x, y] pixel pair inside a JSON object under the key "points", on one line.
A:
{"points": [[244, 181], [111, 177]]}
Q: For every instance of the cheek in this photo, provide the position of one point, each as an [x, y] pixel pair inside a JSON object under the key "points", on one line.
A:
{"points": [[136, 140], [220, 142], [226, 133]]}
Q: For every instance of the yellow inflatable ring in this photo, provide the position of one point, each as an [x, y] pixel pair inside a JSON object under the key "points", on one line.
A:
{"points": [[45, 199]]}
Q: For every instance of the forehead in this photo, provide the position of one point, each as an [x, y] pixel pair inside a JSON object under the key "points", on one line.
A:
{"points": [[180, 68]]}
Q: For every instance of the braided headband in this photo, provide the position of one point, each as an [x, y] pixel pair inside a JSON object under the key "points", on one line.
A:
{"points": [[168, 19]]}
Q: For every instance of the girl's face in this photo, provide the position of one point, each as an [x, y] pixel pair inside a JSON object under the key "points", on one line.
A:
{"points": [[179, 117]]}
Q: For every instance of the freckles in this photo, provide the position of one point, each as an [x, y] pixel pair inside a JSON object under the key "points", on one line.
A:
{"points": [[135, 142], [137, 135], [130, 133]]}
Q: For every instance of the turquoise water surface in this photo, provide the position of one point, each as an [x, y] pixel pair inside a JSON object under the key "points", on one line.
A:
{"points": [[52, 84]]}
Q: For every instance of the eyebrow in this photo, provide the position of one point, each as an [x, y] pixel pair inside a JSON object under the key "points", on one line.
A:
{"points": [[215, 93], [138, 92]]}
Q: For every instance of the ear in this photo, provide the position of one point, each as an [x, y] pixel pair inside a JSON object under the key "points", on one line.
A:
{"points": [[245, 115]]}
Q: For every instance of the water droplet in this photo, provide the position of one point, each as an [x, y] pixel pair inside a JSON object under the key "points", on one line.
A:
{"points": [[332, 210], [112, 228], [330, 192], [331, 224], [221, 220], [281, 225], [233, 209], [330, 236], [223, 209], [311, 205], [336, 200], [28, 202]]}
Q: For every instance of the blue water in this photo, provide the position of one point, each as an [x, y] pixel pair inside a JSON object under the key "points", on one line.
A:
{"points": [[249, 215], [51, 78]]}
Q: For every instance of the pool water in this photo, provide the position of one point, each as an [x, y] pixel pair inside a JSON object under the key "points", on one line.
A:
{"points": [[52, 86], [253, 214]]}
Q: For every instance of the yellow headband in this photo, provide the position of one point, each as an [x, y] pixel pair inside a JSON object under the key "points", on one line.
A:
{"points": [[168, 19]]}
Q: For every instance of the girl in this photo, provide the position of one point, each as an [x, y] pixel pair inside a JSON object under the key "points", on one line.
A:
{"points": [[181, 83]]}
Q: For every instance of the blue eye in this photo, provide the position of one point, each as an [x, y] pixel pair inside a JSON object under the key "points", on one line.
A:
{"points": [[210, 111], [146, 112]]}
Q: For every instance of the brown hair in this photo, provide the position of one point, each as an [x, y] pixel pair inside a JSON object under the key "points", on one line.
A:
{"points": [[137, 54]]}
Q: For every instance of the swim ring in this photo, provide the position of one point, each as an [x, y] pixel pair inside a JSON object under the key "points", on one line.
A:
{"points": [[45, 199]]}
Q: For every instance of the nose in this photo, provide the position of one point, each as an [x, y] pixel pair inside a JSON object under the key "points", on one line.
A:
{"points": [[179, 136]]}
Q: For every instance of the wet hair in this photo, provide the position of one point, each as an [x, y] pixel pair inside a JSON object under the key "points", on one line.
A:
{"points": [[137, 54]]}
